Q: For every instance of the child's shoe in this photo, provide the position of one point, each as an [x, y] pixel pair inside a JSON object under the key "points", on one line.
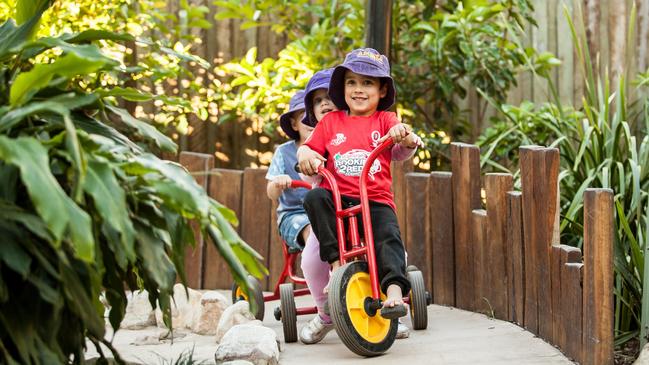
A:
{"points": [[315, 330], [402, 331]]}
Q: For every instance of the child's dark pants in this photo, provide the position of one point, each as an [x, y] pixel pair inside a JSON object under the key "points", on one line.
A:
{"points": [[390, 253]]}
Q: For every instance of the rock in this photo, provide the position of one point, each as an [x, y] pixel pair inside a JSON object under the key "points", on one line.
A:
{"points": [[643, 359], [250, 342], [238, 313], [237, 362], [139, 313], [183, 307], [206, 318], [146, 340]]}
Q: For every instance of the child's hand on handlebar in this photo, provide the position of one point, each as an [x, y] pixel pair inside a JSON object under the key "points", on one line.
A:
{"points": [[309, 161], [402, 134], [282, 182]]}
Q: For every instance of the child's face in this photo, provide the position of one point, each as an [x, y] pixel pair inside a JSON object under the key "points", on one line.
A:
{"points": [[363, 93], [297, 125], [322, 104]]}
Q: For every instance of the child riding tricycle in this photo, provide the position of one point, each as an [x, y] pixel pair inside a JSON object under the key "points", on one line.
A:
{"points": [[355, 299]]}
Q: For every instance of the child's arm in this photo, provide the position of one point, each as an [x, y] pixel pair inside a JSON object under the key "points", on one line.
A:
{"points": [[309, 160], [405, 141], [276, 186], [278, 180]]}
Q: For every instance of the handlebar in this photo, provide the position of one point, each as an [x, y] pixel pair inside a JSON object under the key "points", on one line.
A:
{"points": [[365, 172], [300, 184]]}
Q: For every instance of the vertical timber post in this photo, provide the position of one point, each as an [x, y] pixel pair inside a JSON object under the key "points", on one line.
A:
{"points": [[378, 21]]}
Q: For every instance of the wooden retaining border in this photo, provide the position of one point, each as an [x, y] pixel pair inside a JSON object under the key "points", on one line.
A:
{"points": [[481, 245]]}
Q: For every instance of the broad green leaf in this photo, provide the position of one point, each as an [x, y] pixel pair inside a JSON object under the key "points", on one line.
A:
{"points": [[79, 298], [14, 257], [127, 93], [110, 203], [12, 37], [28, 9], [97, 34], [100, 131], [87, 60], [145, 129], [52, 204], [150, 249], [176, 181], [61, 104], [35, 224]]}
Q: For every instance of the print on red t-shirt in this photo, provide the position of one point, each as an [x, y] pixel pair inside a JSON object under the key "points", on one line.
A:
{"points": [[346, 142]]}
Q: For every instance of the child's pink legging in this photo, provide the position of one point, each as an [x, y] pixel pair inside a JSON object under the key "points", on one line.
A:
{"points": [[316, 273]]}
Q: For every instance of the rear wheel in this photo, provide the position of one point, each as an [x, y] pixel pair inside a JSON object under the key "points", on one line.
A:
{"points": [[257, 293], [361, 332], [288, 312], [418, 300]]}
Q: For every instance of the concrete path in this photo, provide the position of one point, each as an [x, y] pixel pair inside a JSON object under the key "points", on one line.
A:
{"points": [[453, 337]]}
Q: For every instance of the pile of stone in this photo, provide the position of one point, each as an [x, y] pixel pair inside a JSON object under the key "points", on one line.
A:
{"points": [[241, 339]]}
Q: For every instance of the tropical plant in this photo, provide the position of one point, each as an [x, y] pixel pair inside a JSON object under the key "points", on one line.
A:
{"points": [[606, 145], [160, 64], [85, 210]]}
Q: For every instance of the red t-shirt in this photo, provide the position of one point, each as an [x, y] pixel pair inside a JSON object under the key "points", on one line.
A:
{"points": [[346, 142]]}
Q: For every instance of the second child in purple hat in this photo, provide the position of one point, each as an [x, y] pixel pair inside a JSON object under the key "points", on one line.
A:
{"points": [[363, 90], [316, 272], [292, 221]]}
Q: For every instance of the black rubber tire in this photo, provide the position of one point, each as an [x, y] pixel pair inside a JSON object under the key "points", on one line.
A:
{"points": [[255, 288], [288, 312], [342, 321], [418, 300]]}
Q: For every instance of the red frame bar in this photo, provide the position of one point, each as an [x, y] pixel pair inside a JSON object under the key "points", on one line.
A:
{"points": [[359, 248], [306, 310]]}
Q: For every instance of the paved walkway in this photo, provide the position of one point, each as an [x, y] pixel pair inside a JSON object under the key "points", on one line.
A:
{"points": [[453, 337]]}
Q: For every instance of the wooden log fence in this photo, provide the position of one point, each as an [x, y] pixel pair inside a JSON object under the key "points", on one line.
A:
{"points": [[496, 253]]}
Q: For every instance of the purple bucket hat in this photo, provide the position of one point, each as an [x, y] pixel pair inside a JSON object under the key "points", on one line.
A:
{"points": [[318, 81], [367, 62], [296, 104]]}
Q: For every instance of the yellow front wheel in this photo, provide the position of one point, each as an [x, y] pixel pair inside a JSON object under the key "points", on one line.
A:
{"points": [[255, 290], [365, 333]]}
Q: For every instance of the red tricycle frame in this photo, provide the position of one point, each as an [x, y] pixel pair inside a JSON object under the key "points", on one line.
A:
{"points": [[357, 248]]}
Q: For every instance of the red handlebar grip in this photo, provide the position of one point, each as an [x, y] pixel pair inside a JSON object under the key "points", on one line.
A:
{"points": [[300, 184]]}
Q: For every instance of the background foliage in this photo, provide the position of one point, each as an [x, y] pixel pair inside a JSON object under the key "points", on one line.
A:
{"points": [[440, 51], [84, 208], [603, 144]]}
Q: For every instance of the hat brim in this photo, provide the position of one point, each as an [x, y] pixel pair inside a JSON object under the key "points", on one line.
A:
{"points": [[337, 86], [285, 124]]}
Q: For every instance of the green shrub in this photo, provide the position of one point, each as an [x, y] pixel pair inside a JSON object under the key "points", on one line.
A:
{"points": [[603, 145], [440, 51], [84, 209]]}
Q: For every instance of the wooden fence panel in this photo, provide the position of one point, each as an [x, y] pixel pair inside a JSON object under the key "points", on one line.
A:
{"points": [[496, 187], [598, 276], [561, 323], [199, 165], [539, 175], [399, 170], [481, 262], [555, 277], [255, 214], [417, 239], [440, 203], [516, 269], [225, 187], [465, 160], [572, 302]]}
